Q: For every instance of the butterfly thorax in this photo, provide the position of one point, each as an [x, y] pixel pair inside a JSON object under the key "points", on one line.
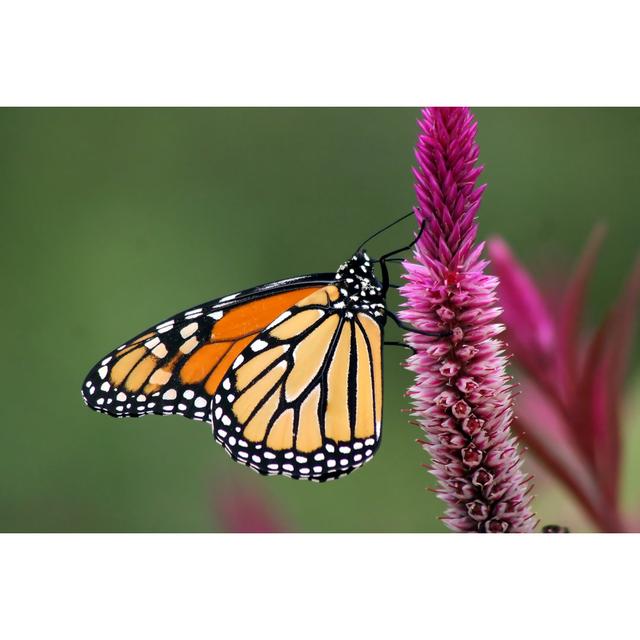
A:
{"points": [[360, 290]]}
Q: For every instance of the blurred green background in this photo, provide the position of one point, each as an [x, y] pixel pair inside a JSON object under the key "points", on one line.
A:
{"points": [[113, 219]]}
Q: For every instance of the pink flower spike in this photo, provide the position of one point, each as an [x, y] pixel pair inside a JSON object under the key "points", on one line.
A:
{"points": [[461, 395]]}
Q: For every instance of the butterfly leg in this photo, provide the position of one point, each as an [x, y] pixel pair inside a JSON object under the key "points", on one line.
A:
{"points": [[408, 327], [388, 256], [402, 344]]}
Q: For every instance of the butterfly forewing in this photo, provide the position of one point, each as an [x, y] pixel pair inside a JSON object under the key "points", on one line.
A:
{"points": [[176, 366]]}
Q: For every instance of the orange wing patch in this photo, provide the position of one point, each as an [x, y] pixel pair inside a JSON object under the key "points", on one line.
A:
{"points": [[337, 422], [254, 316], [200, 364]]}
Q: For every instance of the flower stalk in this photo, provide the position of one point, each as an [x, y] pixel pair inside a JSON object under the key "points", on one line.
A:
{"points": [[462, 396]]}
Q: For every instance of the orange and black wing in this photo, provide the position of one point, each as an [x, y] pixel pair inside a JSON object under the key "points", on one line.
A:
{"points": [[176, 366], [304, 397], [290, 381]]}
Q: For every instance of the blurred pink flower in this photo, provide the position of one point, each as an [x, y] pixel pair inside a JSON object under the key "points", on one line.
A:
{"points": [[461, 396], [244, 508], [569, 409]]}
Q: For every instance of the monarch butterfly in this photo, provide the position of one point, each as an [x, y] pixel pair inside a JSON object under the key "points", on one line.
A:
{"points": [[289, 373]]}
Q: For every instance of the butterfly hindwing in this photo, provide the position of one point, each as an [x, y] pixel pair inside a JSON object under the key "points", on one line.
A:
{"points": [[304, 398]]}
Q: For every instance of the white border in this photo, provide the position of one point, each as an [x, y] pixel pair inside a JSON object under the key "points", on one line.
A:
{"points": [[335, 52], [318, 586]]}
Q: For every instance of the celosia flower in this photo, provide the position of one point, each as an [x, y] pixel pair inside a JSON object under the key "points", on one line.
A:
{"points": [[569, 409], [461, 397]]}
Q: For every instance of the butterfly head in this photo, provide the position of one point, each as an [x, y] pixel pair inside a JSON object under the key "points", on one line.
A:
{"points": [[359, 286]]}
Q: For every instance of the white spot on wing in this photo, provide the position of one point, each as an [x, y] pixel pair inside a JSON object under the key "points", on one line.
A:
{"points": [[189, 330], [160, 351], [258, 345], [150, 344], [189, 345]]}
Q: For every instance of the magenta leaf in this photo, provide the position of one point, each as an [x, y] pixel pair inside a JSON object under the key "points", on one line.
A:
{"points": [[530, 327], [571, 312]]}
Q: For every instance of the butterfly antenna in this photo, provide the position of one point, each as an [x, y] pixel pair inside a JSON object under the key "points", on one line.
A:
{"points": [[377, 233]]}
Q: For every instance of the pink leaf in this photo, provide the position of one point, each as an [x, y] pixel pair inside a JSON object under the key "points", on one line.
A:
{"points": [[571, 311], [531, 331]]}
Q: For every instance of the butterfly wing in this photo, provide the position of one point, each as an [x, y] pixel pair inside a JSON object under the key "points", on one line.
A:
{"points": [[176, 366], [290, 380], [304, 398]]}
